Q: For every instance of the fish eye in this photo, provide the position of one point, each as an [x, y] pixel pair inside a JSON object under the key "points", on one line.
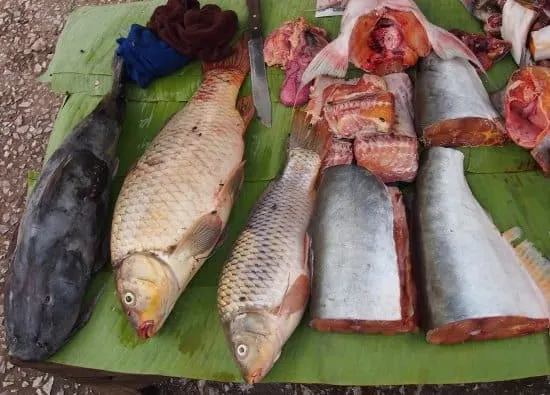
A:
{"points": [[47, 299], [129, 298], [242, 349]]}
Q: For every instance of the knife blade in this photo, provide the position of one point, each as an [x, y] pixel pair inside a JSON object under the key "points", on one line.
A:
{"points": [[260, 88]]}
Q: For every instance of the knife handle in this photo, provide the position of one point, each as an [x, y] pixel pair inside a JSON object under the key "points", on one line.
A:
{"points": [[254, 18]]}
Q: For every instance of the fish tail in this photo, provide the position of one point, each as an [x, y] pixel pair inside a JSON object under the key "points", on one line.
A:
{"points": [[238, 61], [331, 60], [114, 102], [305, 136], [534, 262]]}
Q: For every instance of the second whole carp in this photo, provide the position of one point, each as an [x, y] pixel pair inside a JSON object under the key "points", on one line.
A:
{"points": [[175, 202], [265, 283]]}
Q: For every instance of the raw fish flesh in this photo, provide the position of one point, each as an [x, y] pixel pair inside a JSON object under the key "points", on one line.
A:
{"points": [[488, 50], [392, 34], [362, 279], [527, 111], [476, 286], [293, 46]]}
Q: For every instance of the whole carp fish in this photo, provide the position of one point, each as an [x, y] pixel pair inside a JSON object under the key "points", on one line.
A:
{"points": [[63, 235], [452, 106], [382, 37], [264, 285], [362, 280], [476, 285], [175, 202]]}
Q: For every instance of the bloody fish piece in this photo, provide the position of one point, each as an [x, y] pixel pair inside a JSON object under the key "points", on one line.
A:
{"points": [[293, 46], [387, 41], [339, 151], [527, 105], [476, 286], [319, 95], [489, 50], [334, 59], [366, 108], [264, 286], [63, 235], [362, 280], [453, 107], [175, 202], [394, 156], [487, 11]]}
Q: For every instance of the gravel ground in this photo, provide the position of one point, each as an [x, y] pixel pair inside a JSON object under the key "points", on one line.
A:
{"points": [[28, 33]]}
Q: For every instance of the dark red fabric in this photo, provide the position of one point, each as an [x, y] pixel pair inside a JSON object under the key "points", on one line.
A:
{"points": [[203, 33]]}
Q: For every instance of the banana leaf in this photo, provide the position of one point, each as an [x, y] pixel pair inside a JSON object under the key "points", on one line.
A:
{"points": [[192, 344]]}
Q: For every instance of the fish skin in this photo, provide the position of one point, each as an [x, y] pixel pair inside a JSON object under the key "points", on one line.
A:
{"points": [[264, 284], [516, 25], [453, 107], [360, 270], [175, 202], [334, 59], [63, 232], [475, 286]]}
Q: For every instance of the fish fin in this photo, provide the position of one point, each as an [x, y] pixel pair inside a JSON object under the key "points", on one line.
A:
{"points": [[51, 186], [239, 60], [306, 137], [245, 106], [295, 297], [202, 236], [331, 60], [85, 314], [497, 99], [537, 265], [233, 185], [114, 102]]}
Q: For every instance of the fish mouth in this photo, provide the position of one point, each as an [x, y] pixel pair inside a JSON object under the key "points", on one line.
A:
{"points": [[146, 329], [254, 377]]}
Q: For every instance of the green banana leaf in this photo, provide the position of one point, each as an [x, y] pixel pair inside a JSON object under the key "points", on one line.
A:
{"points": [[191, 344]]}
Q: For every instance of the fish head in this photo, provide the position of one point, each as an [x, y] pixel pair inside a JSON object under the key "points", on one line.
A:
{"points": [[43, 300], [147, 290], [255, 344]]}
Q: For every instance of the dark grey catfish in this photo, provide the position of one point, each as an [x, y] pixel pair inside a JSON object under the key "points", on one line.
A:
{"points": [[61, 240], [362, 278], [476, 285]]}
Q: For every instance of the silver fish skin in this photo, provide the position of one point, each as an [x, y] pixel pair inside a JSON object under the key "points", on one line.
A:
{"points": [[453, 107], [63, 234], [264, 285], [475, 286], [356, 277]]}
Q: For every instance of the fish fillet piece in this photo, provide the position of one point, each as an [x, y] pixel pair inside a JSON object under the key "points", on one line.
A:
{"points": [[540, 44], [476, 285], [292, 46], [453, 107], [175, 202], [339, 152], [517, 21], [362, 280], [319, 95], [488, 50], [366, 108], [394, 156], [264, 285], [334, 59]]}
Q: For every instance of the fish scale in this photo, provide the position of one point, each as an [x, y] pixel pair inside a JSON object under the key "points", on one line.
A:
{"points": [[269, 244]]}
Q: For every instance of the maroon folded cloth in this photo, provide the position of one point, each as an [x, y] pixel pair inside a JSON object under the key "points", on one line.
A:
{"points": [[203, 33]]}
